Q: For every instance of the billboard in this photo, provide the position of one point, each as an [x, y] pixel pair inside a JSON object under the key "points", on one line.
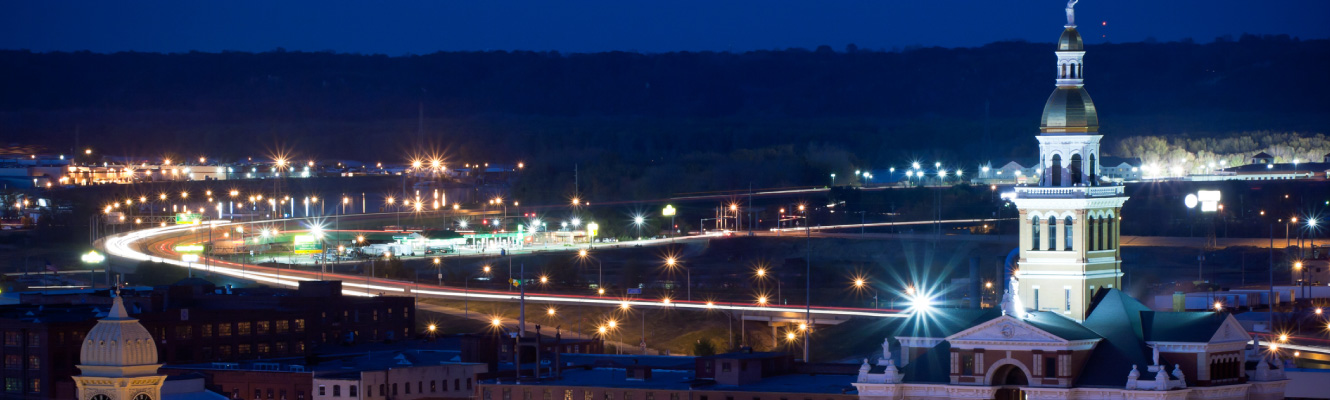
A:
{"points": [[188, 218], [308, 244]]}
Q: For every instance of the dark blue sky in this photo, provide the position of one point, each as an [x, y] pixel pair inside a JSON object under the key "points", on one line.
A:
{"points": [[398, 27]]}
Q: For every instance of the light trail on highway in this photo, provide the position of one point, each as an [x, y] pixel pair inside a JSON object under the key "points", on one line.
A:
{"points": [[123, 245]]}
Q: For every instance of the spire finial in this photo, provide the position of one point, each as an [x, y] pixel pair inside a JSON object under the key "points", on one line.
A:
{"points": [[1071, 12]]}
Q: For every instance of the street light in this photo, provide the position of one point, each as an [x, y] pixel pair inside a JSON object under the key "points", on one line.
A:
{"points": [[672, 263], [93, 258], [600, 269]]}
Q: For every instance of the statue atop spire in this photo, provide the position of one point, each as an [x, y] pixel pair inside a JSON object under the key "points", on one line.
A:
{"points": [[1071, 12]]}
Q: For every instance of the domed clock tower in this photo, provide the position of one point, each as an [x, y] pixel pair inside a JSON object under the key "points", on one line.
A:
{"points": [[1069, 220], [119, 360]]}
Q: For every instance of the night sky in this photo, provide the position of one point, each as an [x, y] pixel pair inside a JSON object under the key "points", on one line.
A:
{"points": [[426, 26]]}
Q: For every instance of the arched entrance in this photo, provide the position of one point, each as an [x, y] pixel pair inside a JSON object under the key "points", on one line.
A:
{"points": [[1010, 380]]}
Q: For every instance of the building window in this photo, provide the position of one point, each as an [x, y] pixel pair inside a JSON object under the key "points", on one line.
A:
{"points": [[1067, 241], [627, 395], [205, 330], [383, 389], [586, 394], [547, 395], [725, 366], [394, 389], [526, 394], [507, 394], [281, 348], [242, 328], [468, 383], [300, 325], [13, 361], [1067, 295], [264, 348], [433, 386], [1036, 299], [1034, 233], [337, 390], [674, 396], [263, 327], [35, 385], [967, 364], [34, 362], [184, 332], [567, 394], [609, 396], [457, 384], [351, 390], [408, 387], [12, 385], [283, 326], [34, 339], [1050, 367], [12, 339], [224, 330], [322, 391], [420, 387], [243, 349], [485, 394]]}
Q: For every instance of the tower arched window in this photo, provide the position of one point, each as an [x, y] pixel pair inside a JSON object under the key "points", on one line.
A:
{"points": [[1075, 169], [1034, 233], [1064, 71], [1093, 170], [1055, 171], [1110, 237], [1067, 231], [1090, 224]]}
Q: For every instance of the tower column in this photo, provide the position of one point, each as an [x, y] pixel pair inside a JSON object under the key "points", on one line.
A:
{"points": [[1025, 230]]}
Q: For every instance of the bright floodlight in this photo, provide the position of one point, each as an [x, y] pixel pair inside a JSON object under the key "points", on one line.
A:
{"points": [[639, 220], [432, 327], [577, 222], [496, 322], [921, 302], [550, 311]]}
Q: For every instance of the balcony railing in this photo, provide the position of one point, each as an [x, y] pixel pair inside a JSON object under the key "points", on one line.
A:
{"points": [[1074, 192]]}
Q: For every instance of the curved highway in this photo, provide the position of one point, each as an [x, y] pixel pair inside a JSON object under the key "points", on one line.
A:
{"points": [[156, 245]]}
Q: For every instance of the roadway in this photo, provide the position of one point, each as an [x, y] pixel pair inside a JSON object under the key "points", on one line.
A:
{"points": [[157, 245]]}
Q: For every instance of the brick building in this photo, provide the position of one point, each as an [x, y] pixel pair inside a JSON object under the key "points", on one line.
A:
{"points": [[193, 321], [733, 376]]}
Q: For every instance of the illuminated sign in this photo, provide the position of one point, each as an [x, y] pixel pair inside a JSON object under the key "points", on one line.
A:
{"points": [[189, 248], [188, 218], [1209, 200], [669, 211], [307, 244]]}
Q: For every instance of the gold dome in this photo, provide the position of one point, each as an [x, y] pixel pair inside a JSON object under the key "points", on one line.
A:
{"points": [[1070, 40], [1069, 110]]}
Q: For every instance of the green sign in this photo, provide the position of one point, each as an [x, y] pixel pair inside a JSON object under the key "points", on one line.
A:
{"points": [[188, 218], [307, 244]]}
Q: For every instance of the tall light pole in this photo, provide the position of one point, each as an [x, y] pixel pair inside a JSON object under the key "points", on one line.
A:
{"points": [[638, 221], [600, 270], [672, 263], [93, 258]]}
